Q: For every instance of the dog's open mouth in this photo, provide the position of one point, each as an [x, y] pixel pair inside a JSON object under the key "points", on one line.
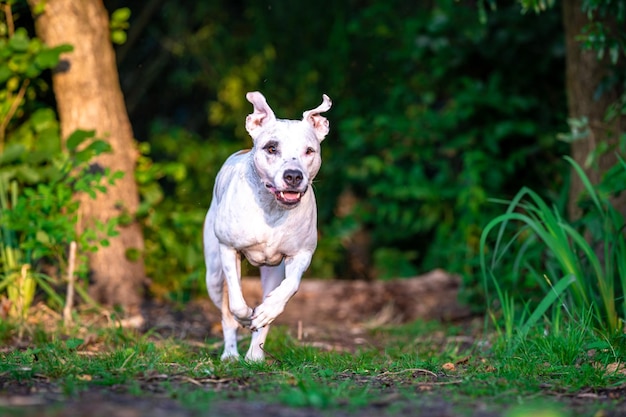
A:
{"points": [[286, 197]]}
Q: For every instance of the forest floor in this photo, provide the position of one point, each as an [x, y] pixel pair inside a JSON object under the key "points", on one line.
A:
{"points": [[195, 321]]}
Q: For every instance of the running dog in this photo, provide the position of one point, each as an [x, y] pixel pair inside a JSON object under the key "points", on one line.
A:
{"points": [[264, 208]]}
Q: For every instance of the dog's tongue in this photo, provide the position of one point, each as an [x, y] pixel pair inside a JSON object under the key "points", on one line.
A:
{"points": [[289, 196]]}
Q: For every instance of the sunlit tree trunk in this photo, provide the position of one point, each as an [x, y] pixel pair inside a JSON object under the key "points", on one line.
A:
{"points": [[584, 72], [88, 94]]}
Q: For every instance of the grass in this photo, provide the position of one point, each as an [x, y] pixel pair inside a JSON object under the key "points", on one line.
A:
{"points": [[570, 339], [581, 267], [414, 363], [15, 273]]}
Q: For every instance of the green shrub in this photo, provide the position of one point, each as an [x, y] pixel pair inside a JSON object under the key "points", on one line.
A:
{"points": [[433, 112], [39, 177], [38, 216], [173, 208], [581, 267]]}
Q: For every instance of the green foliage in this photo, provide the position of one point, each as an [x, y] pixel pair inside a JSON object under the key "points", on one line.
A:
{"points": [[606, 39], [119, 25], [433, 112], [39, 179], [173, 209], [39, 214], [424, 153], [605, 34], [536, 5], [584, 265], [22, 62]]}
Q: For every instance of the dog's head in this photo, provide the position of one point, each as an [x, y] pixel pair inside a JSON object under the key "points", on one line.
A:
{"points": [[286, 153]]}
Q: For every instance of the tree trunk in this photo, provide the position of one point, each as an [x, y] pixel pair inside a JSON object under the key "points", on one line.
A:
{"points": [[584, 72], [88, 94]]}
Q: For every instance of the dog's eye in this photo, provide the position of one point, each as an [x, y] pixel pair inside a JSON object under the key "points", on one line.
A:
{"points": [[270, 148], [309, 151]]}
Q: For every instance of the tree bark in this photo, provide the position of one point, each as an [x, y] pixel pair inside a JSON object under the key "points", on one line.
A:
{"points": [[88, 94], [584, 73]]}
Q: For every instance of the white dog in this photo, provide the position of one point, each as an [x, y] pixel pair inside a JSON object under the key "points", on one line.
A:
{"points": [[264, 208]]}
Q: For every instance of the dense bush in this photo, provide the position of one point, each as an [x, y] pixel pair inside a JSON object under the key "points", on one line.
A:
{"points": [[433, 113], [39, 177]]}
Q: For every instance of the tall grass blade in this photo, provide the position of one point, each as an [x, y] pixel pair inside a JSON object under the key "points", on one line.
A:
{"points": [[585, 180], [553, 295]]}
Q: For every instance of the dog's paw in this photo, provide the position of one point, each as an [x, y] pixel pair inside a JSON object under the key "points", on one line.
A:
{"points": [[230, 356], [264, 314], [243, 316], [255, 356]]}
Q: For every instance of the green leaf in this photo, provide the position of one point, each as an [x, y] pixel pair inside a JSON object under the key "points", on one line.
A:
{"points": [[176, 170], [28, 174], [550, 298], [5, 73], [48, 58], [43, 119], [152, 193], [33, 71], [125, 219], [121, 15], [614, 53], [43, 237], [39, 7], [133, 254], [12, 153], [77, 137], [19, 41], [13, 83], [63, 48], [73, 344], [98, 147], [118, 37], [95, 148]]}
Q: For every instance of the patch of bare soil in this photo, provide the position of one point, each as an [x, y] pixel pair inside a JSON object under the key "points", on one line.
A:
{"points": [[330, 315]]}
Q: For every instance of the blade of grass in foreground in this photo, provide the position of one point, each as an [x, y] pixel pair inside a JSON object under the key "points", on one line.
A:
{"points": [[553, 295]]}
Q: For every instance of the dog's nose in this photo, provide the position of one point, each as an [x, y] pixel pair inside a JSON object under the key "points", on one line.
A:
{"points": [[292, 177]]}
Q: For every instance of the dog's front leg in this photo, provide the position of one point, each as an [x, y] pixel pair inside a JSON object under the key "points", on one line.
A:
{"points": [[274, 303], [271, 277], [231, 264]]}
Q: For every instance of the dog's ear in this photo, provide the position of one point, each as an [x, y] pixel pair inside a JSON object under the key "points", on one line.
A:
{"points": [[320, 123], [262, 115]]}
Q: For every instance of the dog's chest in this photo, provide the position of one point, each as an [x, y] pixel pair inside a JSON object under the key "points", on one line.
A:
{"points": [[263, 254], [264, 245], [247, 219], [266, 240]]}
